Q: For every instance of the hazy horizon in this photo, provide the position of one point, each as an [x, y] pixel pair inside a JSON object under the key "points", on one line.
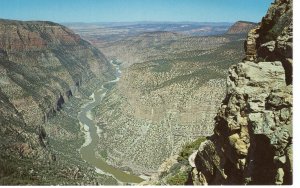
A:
{"points": [[111, 11]]}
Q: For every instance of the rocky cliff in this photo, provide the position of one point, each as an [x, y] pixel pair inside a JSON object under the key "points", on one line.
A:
{"points": [[42, 65], [252, 141]]}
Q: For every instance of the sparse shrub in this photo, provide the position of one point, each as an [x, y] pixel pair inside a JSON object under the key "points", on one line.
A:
{"points": [[188, 149], [43, 132], [175, 168], [104, 154], [162, 66], [179, 179], [6, 168]]}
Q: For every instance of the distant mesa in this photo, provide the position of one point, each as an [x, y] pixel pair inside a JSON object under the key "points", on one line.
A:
{"points": [[241, 27]]}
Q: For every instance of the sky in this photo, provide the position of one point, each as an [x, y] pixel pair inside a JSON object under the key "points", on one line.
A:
{"points": [[134, 10]]}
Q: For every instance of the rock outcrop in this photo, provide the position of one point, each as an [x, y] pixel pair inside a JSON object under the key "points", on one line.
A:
{"points": [[252, 141], [241, 27], [273, 39]]}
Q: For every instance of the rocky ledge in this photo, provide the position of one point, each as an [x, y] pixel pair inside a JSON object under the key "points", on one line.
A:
{"points": [[252, 141]]}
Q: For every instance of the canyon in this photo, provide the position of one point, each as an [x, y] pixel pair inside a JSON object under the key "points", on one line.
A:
{"points": [[48, 73], [168, 93], [44, 68], [148, 103]]}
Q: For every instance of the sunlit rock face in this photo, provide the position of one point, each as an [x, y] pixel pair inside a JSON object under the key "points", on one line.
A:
{"points": [[252, 141]]}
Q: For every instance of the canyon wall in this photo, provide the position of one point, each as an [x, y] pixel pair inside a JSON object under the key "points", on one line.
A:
{"points": [[42, 65], [168, 94]]}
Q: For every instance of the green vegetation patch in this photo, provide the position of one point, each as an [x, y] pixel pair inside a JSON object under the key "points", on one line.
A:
{"points": [[104, 154], [162, 66], [109, 85], [188, 149], [179, 179], [178, 174], [115, 62]]}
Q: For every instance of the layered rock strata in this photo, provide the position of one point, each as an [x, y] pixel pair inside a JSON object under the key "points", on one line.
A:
{"points": [[42, 65]]}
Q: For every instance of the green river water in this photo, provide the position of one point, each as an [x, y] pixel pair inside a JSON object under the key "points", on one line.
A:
{"points": [[88, 151]]}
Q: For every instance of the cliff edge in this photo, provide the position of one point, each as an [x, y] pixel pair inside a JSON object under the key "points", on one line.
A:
{"points": [[252, 141]]}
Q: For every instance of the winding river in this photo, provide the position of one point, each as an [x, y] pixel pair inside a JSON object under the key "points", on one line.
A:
{"points": [[89, 148]]}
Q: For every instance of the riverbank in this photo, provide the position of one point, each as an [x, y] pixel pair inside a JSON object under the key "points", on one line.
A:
{"points": [[92, 136]]}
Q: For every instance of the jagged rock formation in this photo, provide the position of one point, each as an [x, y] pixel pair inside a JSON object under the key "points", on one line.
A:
{"points": [[252, 141], [241, 27], [273, 40], [42, 64]]}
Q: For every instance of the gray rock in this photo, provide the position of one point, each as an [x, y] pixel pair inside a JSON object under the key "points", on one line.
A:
{"points": [[270, 46], [255, 118]]}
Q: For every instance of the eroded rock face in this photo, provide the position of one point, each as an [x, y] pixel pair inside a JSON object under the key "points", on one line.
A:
{"points": [[20, 36], [273, 39], [252, 141], [41, 64]]}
